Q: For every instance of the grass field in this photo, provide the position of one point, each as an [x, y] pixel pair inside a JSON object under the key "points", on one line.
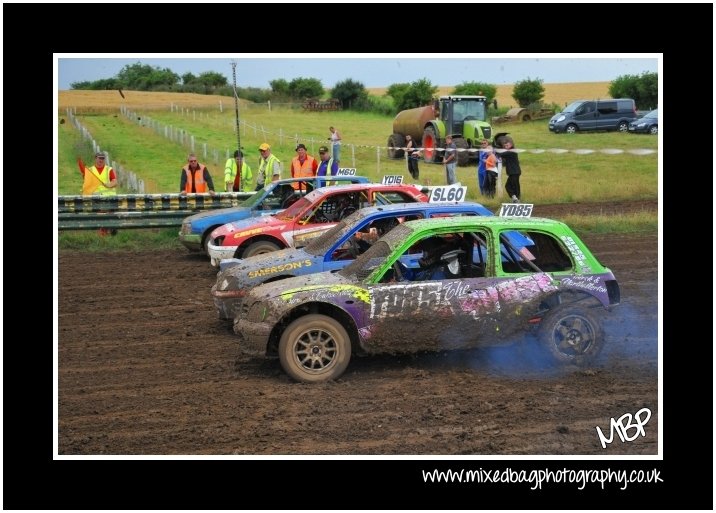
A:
{"points": [[547, 177]]}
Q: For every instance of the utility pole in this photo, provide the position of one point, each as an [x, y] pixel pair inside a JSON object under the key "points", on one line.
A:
{"points": [[238, 128]]}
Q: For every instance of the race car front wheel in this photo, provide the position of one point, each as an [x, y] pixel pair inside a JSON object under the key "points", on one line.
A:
{"points": [[314, 348], [258, 248], [572, 335]]}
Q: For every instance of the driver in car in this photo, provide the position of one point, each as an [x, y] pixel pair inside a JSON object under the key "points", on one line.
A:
{"points": [[376, 230]]}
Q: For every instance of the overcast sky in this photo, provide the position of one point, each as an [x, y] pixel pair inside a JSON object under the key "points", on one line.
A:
{"points": [[257, 70]]}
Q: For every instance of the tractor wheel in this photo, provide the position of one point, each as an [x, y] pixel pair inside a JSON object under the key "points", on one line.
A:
{"points": [[430, 143], [463, 157], [396, 141]]}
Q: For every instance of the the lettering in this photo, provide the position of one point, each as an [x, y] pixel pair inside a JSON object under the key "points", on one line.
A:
{"points": [[622, 426], [455, 193], [396, 300], [392, 180], [455, 289], [346, 171], [516, 209], [246, 233], [584, 282], [576, 253], [290, 266]]}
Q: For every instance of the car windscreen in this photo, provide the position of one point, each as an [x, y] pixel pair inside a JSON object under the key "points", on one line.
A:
{"points": [[573, 106], [652, 115], [323, 242], [366, 263], [254, 199], [300, 205]]}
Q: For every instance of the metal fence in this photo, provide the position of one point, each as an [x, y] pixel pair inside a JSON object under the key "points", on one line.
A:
{"points": [[138, 210]]}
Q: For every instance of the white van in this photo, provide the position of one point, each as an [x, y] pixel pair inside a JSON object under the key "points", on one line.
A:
{"points": [[584, 115]]}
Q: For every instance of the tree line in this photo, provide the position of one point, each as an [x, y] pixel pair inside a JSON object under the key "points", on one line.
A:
{"points": [[351, 94]]}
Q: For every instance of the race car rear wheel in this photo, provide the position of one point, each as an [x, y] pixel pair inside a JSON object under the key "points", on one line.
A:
{"points": [[314, 348], [572, 335]]}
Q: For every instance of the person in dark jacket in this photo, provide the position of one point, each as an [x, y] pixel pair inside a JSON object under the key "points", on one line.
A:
{"points": [[511, 164], [413, 157]]}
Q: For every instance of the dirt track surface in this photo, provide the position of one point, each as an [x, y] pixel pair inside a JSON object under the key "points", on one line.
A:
{"points": [[147, 368]]}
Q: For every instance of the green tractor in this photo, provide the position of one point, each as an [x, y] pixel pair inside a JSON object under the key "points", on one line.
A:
{"points": [[463, 117]]}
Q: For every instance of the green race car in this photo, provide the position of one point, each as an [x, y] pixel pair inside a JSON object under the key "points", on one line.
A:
{"points": [[428, 285]]}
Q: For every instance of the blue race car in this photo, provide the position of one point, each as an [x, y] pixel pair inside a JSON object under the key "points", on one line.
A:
{"points": [[331, 251], [273, 198]]}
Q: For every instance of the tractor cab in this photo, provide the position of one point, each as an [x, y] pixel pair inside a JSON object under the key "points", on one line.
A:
{"points": [[455, 110]]}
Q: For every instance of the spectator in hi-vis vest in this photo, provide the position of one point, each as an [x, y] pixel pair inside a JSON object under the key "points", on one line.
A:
{"points": [[195, 177], [98, 179], [302, 165], [269, 166], [233, 180], [327, 166]]}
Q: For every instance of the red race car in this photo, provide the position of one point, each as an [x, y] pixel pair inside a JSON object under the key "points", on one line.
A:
{"points": [[308, 217]]}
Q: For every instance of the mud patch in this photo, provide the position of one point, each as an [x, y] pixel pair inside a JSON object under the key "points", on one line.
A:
{"points": [[146, 367]]}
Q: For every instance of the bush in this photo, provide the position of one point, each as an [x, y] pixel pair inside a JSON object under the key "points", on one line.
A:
{"points": [[415, 94], [644, 89], [476, 88], [302, 88], [528, 91], [378, 104], [352, 94]]}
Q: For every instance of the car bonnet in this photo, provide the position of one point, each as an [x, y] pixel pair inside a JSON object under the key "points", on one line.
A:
{"points": [[323, 284], [266, 262], [228, 214], [246, 224]]}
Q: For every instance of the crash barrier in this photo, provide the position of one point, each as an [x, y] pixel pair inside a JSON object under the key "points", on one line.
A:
{"points": [[138, 210]]}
